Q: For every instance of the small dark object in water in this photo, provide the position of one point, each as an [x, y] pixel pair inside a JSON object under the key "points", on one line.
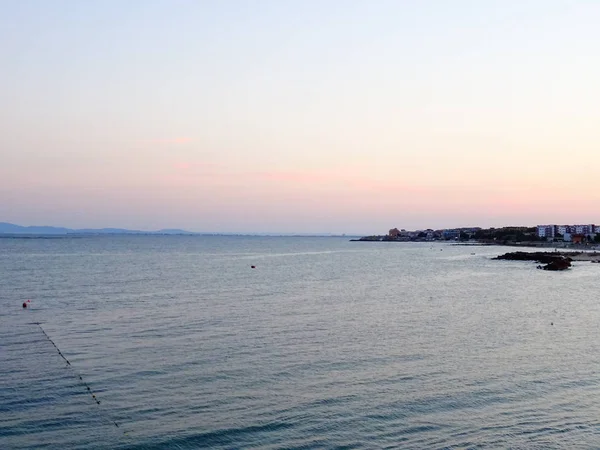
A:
{"points": [[559, 264], [551, 323], [253, 267], [24, 304]]}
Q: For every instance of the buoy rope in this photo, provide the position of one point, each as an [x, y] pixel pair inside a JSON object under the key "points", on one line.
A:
{"points": [[81, 380]]}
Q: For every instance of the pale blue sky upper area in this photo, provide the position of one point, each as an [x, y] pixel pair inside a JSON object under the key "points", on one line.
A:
{"points": [[404, 89]]}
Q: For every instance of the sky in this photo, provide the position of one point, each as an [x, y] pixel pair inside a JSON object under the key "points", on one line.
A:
{"points": [[335, 116]]}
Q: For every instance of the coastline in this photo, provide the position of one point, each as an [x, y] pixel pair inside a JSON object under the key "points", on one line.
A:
{"points": [[527, 244]]}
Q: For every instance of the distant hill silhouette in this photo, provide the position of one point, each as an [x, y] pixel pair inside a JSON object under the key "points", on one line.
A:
{"points": [[11, 228]]}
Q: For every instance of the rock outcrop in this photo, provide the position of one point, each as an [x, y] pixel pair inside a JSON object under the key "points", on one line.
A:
{"points": [[552, 260], [559, 264]]}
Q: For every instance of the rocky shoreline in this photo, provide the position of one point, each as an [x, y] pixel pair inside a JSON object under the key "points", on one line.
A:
{"points": [[552, 260]]}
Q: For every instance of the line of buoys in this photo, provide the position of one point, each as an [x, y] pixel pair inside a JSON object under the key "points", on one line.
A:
{"points": [[76, 374]]}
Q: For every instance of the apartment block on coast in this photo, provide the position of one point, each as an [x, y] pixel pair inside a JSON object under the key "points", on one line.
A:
{"points": [[567, 232]]}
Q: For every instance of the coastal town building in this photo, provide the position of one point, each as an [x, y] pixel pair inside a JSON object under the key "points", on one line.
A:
{"points": [[577, 238], [451, 234], [546, 231], [586, 234], [583, 229], [566, 232]]}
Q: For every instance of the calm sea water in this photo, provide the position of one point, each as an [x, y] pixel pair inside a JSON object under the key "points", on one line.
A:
{"points": [[325, 344]]}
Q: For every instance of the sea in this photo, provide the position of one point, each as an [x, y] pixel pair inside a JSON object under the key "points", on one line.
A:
{"points": [[177, 342]]}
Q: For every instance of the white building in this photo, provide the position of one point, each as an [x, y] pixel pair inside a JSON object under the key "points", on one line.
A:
{"points": [[583, 229], [550, 231], [546, 231]]}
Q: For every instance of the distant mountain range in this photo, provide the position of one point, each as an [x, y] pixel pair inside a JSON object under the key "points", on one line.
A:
{"points": [[10, 229]]}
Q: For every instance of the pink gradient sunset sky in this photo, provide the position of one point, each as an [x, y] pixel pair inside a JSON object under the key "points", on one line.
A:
{"points": [[299, 116]]}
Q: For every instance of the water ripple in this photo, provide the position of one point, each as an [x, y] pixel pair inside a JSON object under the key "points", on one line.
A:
{"points": [[325, 345]]}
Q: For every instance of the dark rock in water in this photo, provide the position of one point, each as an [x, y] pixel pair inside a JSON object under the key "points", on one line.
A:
{"points": [[559, 264], [541, 257], [552, 260]]}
